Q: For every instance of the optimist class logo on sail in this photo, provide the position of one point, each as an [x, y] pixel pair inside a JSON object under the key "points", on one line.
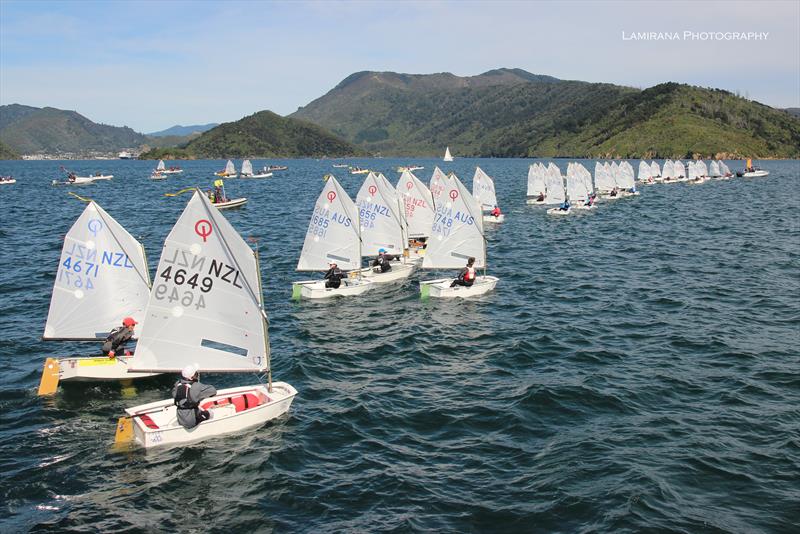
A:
{"points": [[322, 218]]}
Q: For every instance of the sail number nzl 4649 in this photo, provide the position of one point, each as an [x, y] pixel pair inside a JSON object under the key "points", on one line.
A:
{"points": [[187, 278]]}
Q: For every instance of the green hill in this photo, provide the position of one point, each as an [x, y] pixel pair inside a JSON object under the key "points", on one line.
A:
{"points": [[29, 130], [509, 112], [7, 153], [263, 134]]}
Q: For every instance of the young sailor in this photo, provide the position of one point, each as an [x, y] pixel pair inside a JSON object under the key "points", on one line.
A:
{"points": [[496, 212], [188, 392], [117, 338], [565, 206], [383, 260], [467, 275], [333, 276]]}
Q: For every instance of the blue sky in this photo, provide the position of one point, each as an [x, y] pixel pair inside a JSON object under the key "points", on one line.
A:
{"points": [[149, 64]]}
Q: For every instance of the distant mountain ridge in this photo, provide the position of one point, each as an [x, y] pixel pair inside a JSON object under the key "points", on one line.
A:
{"points": [[27, 129], [513, 113], [261, 135], [181, 131]]}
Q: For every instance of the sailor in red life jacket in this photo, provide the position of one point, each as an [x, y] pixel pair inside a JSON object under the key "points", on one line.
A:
{"points": [[467, 275], [496, 212]]}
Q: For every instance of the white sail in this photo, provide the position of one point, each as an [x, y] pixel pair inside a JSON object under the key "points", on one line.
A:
{"points": [[536, 180], [679, 171], [555, 186], [654, 169], [603, 181], [483, 189], [416, 198], [161, 166], [576, 190], [702, 170], [230, 168], [644, 171], [691, 170], [723, 168], [713, 169], [381, 220], [586, 178], [205, 306], [668, 170], [102, 278], [457, 232], [333, 231], [447, 155], [439, 182], [247, 168], [625, 176]]}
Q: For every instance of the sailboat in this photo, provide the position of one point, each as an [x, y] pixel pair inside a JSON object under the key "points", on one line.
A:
{"points": [[579, 187], [536, 184], [162, 169], [206, 309], [456, 235], [102, 277], [725, 172], [645, 174], [447, 155], [229, 171], [625, 181], [419, 213], [556, 193], [418, 204], [484, 192], [752, 172], [334, 235], [224, 202], [383, 226], [247, 169]]}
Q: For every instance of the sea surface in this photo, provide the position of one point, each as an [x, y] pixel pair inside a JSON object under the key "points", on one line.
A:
{"points": [[636, 370]]}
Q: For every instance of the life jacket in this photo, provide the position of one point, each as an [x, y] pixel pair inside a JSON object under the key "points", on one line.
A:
{"points": [[182, 400], [470, 274]]}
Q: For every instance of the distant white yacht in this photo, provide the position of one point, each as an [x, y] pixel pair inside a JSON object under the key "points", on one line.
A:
{"points": [[447, 156], [125, 155]]}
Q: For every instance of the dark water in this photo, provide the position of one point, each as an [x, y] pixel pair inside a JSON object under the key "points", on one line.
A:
{"points": [[636, 369]]}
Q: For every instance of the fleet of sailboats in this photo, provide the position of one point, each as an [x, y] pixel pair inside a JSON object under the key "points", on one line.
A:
{"points": [[206, 306]]}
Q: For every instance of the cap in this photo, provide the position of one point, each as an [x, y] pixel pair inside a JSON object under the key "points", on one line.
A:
{"points": [[189, 371], [128, 321], [381, 250]]}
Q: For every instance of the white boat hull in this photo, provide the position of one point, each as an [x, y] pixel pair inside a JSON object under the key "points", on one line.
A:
{"points": [[315, 289], [493, 219], [173, 171], [12, 181], [96, 368], [559, 211], [534, 201], [159, 427], [262, 175], [755, 174], [400, 271], [158, 177], [441, 288], [236, 202], [90, 179]]}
